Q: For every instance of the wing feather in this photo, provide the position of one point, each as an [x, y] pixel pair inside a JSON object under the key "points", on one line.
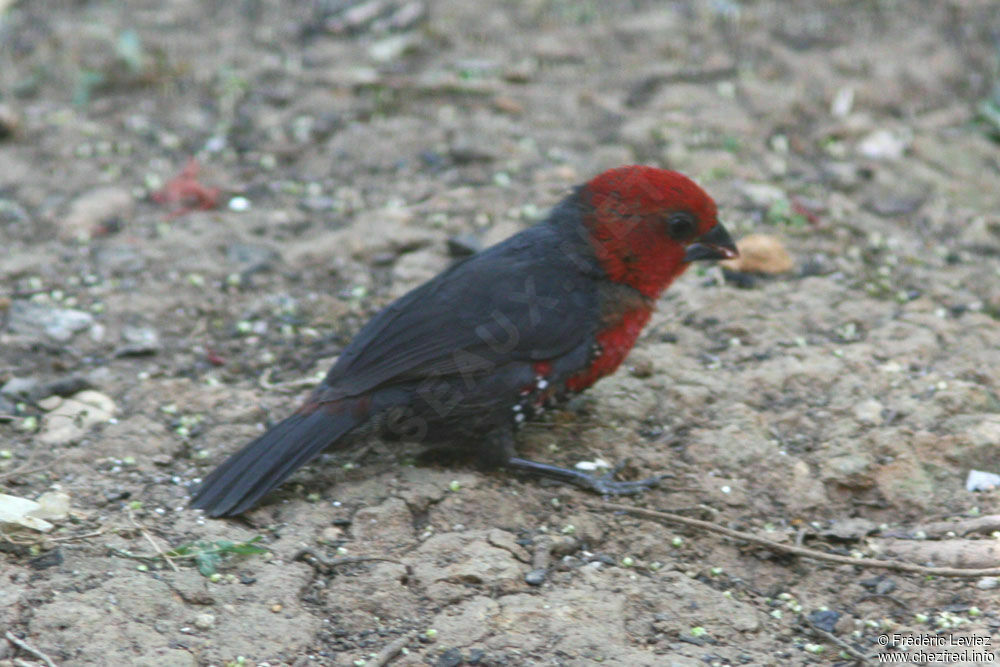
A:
{"points": [[524, 299]]}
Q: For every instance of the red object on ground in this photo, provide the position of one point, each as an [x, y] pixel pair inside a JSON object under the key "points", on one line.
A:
{"points": [[185, 194]]}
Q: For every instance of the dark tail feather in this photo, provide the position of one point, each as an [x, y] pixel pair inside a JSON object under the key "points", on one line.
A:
{"points": [[249, 474]]}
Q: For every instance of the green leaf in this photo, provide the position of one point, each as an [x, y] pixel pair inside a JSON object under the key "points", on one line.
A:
{"points": [[207, 563]]}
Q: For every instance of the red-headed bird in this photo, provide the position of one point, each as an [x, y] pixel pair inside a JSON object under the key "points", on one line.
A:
{"points": [[471, 354]]}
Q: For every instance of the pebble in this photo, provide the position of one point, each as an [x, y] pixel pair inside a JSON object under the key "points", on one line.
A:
{"points": [[463, 245], [204, 621], [251, 257], [391, 48], [884, 144], [11, 211], [10, 121], [52, 505], [318, 203], [74, 416], [979, 480], [138, 341], [845, 175], [19, 388], [95, 211], [824, 619], [988, 583], [536, 577], [450, 658], [119, 259], [869, 412], [60, 324]]}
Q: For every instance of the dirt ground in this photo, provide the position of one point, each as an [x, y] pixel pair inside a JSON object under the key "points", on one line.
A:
{"points": [[357, 148]]}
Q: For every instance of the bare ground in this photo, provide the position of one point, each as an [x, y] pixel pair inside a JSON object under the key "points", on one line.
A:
{"points": [[838, 406]]}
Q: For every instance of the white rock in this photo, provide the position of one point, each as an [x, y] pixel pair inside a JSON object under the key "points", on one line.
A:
{"points": [[884, 145], [981, 481], [869, 412], [52, 505], [988, 583], [18, 511], [74, 416]]}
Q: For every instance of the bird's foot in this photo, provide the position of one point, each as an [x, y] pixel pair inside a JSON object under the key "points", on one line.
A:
{"points": [[605, 484]]}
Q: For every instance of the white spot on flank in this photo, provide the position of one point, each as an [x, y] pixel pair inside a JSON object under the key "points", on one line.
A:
{"points": [[542, 383]]}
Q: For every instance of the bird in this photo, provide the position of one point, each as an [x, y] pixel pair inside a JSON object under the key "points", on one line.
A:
{"points": [[463, 360]]}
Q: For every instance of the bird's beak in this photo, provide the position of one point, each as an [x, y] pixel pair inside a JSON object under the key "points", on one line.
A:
{"points": [[713, 244]]}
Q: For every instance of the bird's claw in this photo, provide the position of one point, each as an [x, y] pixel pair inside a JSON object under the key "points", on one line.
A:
{"points": [[604, 484], [607, 485]]}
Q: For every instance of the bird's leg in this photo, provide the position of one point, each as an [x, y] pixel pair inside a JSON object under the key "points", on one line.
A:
{"points": [[499, 452], [604, 484]]}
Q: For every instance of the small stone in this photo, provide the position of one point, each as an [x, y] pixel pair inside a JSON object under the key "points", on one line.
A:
{"points": [[869, 412], [392, 47], [251, 257], [885, 144], [891, 204], [843, 102], [50, 403], [844, 175], [450, 658], [463, 245], [204, 621], [139, 341], [850, 529], [536, 577], [979, 480], [318, 203], [19, 388], [850, 470], [988, 583], [53, 505], [59, 324], [119, 259], [467, 149], [74, 416], [96, 212], [11, 211], [10, 122], [64, 386]]}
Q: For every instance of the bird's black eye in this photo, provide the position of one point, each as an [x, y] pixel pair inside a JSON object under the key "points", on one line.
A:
{"points": [[681, 226]]}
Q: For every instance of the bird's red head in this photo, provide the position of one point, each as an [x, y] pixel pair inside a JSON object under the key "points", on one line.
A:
{"points": [[646, 225]]}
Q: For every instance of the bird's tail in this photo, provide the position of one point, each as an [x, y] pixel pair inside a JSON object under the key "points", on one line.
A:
{"points": [[249, 474]]}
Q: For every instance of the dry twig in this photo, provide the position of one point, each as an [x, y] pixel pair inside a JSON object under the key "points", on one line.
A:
{"points": [[391, 650], [317, 561], [149, 538], [829, 636], [803, 551], [25, 646]]}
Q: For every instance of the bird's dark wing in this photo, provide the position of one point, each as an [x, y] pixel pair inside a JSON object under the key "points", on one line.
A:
{"points": [[525, 299]]}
